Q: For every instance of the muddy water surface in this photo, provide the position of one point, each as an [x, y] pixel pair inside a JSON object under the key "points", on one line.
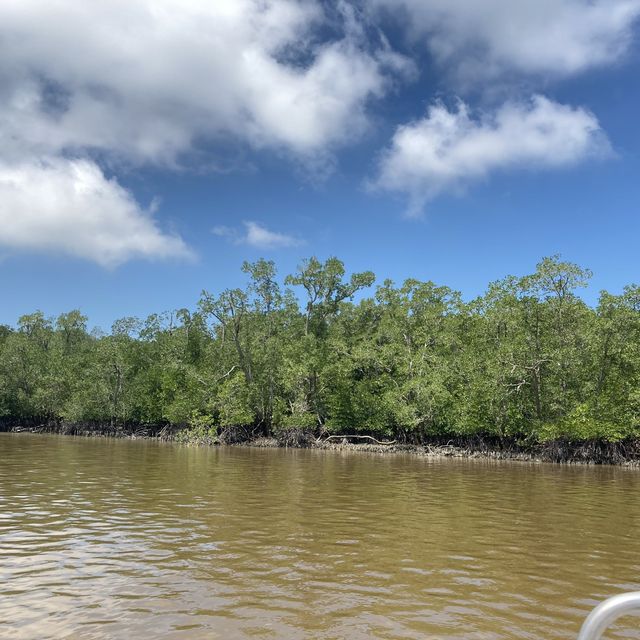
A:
{"points": [[132, 540]]}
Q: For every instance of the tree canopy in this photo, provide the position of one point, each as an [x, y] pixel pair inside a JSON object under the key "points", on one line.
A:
{"points": [[528, 359]]}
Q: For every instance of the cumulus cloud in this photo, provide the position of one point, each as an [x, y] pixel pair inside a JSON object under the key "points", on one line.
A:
{"points": [[258, 236], [488, 38], [155, 82], [70, 207], [448, 149], [146, 80]]}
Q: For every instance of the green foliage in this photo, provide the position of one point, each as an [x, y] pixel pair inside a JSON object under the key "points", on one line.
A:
{"points": [[299, 421], [200, 430], [529, 359], [233, 403], [581, 424]]}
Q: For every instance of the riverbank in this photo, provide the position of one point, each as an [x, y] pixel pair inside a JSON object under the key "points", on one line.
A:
{"points": [[625, 453], [595, 452]]}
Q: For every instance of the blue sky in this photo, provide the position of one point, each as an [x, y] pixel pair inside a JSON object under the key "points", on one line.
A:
{"points": [[148, 148]]}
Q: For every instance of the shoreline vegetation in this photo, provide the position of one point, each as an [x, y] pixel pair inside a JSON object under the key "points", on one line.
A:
{"points": [[593, 452], [527, 370]]}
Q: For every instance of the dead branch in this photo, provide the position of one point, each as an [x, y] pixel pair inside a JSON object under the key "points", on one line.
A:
{"points": [[358, 437]]}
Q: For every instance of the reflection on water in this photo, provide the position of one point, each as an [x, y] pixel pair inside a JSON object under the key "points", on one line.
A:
{"points": [[119, 539]]}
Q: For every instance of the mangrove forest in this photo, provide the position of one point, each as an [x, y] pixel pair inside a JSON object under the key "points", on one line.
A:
{"points": [[323, 352]]}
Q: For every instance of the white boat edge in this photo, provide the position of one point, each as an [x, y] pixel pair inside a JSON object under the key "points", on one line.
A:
{"points": [[607, 612]]}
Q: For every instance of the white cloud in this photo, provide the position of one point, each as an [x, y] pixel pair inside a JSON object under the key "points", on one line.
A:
{"points": [[155, 82], [70, 207], [448, 149], [147, 80], [261, 238], [257, 236], [491, 37]]}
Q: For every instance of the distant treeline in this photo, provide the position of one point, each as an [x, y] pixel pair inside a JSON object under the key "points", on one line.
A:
{"points": [[529, 360]]}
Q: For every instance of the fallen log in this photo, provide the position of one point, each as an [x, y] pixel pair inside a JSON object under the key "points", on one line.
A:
{"points": [[358, 437]]}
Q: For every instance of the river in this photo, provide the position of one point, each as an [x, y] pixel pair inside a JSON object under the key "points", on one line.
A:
{"points": [[124, 539]]}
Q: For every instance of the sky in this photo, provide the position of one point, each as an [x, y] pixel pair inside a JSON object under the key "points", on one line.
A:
{"points": [[149, 147]]}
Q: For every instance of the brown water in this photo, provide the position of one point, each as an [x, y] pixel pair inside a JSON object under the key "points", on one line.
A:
{"points": [[120, 539]]}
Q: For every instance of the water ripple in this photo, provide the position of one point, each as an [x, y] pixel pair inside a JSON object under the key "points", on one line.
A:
{"points": [[113, 539]]}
